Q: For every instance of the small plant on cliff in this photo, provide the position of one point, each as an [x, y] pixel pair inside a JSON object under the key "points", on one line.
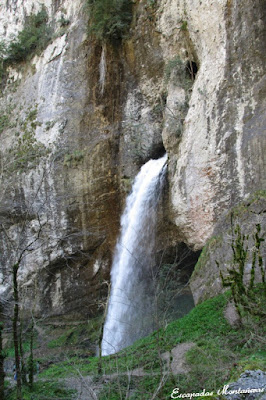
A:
{"points": [[183, 26], [109, 19], [33, 38], [4, 122], [176, 65], [73, 158], [242, 292], [2, 63]]}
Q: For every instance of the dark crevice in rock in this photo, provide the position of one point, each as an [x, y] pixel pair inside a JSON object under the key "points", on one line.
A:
{"points": [[157, 151], [191, 69]]}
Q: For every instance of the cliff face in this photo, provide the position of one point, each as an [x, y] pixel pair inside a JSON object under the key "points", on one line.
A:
{"points": [[214, 166], [82, 116]]}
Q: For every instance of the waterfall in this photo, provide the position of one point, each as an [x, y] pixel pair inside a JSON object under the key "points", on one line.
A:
{"points": [[102, 70], [130, 307]]}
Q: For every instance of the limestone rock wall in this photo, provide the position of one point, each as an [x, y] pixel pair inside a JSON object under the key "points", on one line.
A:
{"points": [[59, 169], [188, 79], [213, 168], [217, 255]]}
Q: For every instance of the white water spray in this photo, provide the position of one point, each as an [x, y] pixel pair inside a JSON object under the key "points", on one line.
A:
{"points": [[102, 71], [129, 315]]}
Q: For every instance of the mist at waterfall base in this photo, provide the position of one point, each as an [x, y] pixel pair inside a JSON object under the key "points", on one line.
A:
{"points": [[130, 312]]}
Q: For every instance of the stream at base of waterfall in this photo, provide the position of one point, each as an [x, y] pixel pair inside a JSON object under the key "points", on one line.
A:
{"points": [[130, 314]]}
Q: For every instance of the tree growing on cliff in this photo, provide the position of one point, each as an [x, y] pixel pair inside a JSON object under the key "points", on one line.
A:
{"points": [[109, 19], [34, 37]]}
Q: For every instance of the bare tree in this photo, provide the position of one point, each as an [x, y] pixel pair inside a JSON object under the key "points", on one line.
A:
{"points": [[2, 357], [29, 247], [20, 245]]}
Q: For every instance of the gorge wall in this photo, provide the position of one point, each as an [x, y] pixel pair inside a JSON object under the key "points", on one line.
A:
{"points": [[79, 119]]}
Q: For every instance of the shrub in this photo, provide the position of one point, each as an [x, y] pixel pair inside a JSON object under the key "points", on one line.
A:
{"points": [[73, 158], [2, 57], [4, 122], [33, 38], [110, 19]]}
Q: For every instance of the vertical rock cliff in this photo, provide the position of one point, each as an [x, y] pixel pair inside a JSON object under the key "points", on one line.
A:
{"points": [[80, 117]]}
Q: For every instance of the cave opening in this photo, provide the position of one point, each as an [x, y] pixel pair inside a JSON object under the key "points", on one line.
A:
{"points": [[158, 151], [191, 69], [174, 269]]}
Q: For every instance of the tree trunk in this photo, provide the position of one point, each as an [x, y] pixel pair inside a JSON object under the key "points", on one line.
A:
{"points": [[15, 331], [22, 363], [31, 361], [102, 328], [2, 373]]}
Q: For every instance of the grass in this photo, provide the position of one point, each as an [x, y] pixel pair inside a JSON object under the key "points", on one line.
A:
{"points": [[220, 354], [46, 390], [69, 337], [10, 351], [204, 324], [75, 335]]}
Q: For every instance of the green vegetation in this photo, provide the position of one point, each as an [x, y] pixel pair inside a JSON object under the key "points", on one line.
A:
{"points": [[73, 159], [75, 334], [242, 292], [33, 38], [109, 19], [2, 63], [63, 26], [211, 244], [176, 65], [4, 122], [126, 184], [10, 351], [219, 355], [49, 125], [205, 319], [178, 71], [183, 26], [243, 208], [63, 21], [26, 150], [48, 390], [240, 212], [152, 3]]}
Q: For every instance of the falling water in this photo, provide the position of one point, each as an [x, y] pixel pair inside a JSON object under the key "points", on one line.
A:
{"points": [[129, 315], [102, 70]]}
